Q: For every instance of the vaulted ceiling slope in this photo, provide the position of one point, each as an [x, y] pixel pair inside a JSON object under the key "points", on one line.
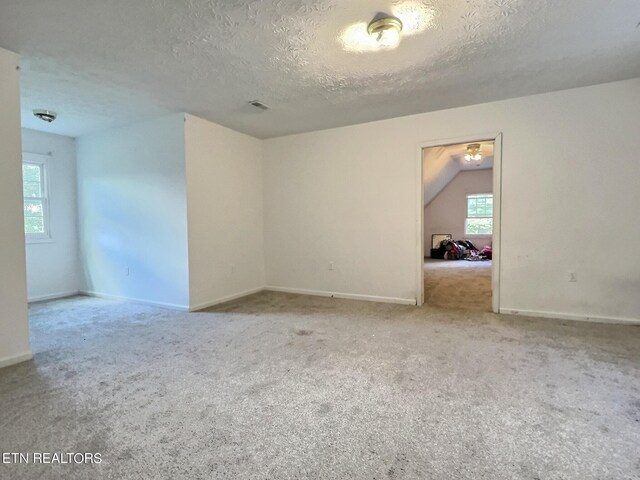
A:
{"points": [[440, 165], [101, 63]]}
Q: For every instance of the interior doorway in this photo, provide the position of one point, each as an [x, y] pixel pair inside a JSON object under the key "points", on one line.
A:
{"points": [[460, 204]]}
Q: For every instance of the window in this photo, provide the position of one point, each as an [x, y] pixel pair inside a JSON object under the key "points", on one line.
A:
{"points": [[479, 214], [36, 204]]}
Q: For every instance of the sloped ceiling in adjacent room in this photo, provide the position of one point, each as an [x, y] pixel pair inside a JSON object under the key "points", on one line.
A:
{"points": [[100, 63], [441, 164]]}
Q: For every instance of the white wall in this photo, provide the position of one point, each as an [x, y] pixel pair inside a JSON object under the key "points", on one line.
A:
{"points": [[52, 266], [447, 212], [570, 183], [345, 196], [14, 323], [133, 212], [224, 198]]}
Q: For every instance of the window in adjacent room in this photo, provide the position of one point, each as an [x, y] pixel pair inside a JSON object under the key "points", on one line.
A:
{"points": [[36, 202], [479, 214]]}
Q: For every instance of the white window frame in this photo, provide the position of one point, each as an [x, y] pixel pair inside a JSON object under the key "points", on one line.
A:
{"points": [[41, 161], [466, 215]]}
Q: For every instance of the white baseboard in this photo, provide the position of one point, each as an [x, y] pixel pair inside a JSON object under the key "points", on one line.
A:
{"points": [[568, 316], [141, 301], [53, 296], [228, 298], [348, 296], [13, 359]]}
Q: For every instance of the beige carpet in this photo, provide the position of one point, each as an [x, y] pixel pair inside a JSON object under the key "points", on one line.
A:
{"points": [[279, 386], [457, 284]]}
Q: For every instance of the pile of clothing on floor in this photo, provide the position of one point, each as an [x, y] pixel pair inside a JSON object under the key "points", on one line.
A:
{"points": [[461, 250]]}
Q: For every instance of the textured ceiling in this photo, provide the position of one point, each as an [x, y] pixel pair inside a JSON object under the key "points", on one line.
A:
{"points": [[101, 63]]}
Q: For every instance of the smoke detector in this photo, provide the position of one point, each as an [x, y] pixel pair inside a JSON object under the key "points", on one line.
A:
{"points": [[45, 115]]}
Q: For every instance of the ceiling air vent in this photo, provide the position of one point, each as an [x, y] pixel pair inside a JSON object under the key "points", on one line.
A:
{"points": [[258, 104]]}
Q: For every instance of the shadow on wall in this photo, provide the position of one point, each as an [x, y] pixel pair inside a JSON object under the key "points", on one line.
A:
{"points": [[117, 223]]}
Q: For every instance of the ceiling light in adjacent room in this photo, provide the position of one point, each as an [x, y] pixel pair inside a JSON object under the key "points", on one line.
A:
{"points": [[473, 153]]}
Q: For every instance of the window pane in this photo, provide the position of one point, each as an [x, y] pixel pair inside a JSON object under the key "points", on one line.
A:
{"points": [[31, 189], [480, 206], [30, 172], [33, 225], [479, 226], [33, 208], [471, 207], [34, 198]]}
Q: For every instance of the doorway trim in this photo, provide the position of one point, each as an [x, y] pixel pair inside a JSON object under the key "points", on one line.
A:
{"points": [[496, 138]]}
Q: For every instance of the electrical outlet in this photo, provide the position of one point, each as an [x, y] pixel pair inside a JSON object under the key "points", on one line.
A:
{"points": [[573, 277], [331, 266]]}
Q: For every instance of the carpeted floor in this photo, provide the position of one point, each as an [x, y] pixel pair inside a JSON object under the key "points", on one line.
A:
{"points": [[457, 284], [278, 386]]}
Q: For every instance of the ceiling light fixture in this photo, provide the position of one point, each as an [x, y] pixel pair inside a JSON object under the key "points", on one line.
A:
{"points": [[46, 115], [407, 18], [473, 153], [385, 30]]}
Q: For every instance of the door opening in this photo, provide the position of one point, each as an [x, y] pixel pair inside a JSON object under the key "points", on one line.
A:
{"points": [[459, 223]]}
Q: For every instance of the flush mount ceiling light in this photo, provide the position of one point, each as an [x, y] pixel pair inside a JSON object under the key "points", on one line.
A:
{"points": [[473, 153], [410, 17], [45, 115], [385, 30]]}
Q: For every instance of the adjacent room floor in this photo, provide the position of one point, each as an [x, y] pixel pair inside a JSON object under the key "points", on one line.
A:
{"points": [[457, 284], [283, 386]]}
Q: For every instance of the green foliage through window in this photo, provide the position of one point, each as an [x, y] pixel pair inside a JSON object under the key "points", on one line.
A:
{"points": [[479, 214]]}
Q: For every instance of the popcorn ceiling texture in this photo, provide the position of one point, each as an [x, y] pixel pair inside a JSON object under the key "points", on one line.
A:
{"points": [[101, 63]]}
